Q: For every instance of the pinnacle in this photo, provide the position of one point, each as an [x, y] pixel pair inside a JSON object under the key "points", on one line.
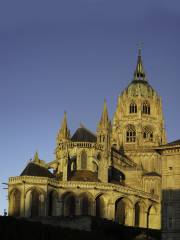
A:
{"points": [[36, 157], [139, 73], [104, 117], [64, 131]]}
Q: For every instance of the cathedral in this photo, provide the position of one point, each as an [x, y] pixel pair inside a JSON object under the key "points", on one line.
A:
{"points": [[125, 172]]}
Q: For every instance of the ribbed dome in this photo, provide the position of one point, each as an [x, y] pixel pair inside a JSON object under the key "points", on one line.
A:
{"points": [[139, 88]]}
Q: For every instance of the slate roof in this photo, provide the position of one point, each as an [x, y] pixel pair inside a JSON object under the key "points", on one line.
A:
{"points": [[177, 142], [33, 169], [83, 135]]}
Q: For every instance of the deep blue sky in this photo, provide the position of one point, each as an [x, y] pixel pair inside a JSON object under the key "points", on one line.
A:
{"points": [[70, 55]]}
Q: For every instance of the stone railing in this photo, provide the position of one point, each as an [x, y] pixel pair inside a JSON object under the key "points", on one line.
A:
{"points": [[81, 145]]}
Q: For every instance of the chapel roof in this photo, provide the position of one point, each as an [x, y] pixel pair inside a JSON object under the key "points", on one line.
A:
{"points": [[33, 169], [176, 142], [82, 134]]}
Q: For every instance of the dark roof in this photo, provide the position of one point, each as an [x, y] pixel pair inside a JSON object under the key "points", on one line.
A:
{"points": [[84, 175], [33, 169], [83, 135], [177, 142], [153, 174]]}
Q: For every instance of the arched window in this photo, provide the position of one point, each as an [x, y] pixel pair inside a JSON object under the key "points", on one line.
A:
{"points": [[83, 160], [148, 134], [133, 108], [146, 108], [131, 134], [102, 138]]}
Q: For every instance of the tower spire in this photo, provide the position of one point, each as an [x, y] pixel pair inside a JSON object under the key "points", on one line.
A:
{"points": [[139, 73], [104, 122], [104, 117], [64, 133]]}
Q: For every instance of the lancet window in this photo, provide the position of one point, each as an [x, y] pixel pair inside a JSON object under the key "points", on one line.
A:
{"points": [[146, 108], [133, 108]]}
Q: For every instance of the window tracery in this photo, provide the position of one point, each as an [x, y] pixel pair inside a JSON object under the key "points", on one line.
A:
{"points": [[148, 134], [131, 134]]}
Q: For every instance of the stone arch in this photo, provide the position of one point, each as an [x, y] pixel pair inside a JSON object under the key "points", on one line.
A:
{"points": [[15, 202], [120, 213], [124, 211], [152, 217], [100, 206], [69, 204], [137, 214], [83, 160], [35, 202], [86, 203], [143, 213], [52, 203]]}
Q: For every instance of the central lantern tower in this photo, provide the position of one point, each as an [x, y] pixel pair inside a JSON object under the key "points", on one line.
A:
{"points": [[138, 123]]}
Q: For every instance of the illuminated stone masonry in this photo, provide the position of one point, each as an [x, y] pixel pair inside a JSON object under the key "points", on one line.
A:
{"points": [[114, 174]]}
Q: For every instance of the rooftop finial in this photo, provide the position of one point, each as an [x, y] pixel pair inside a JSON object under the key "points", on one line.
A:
{"points": [[139, 73], [140, 45]]}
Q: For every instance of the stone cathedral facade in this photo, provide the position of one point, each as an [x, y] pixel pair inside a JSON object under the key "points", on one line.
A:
{"points": [[115, 173]]}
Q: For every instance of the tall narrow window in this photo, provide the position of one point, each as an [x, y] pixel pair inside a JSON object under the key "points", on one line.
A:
{"points": [[133, 108], [131, 134], [83, 160], [146, 108]]}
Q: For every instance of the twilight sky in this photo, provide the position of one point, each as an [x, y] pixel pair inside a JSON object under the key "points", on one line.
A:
{"points": [[69, 55]]}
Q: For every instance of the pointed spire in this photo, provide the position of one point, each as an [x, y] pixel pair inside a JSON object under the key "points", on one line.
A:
{"points": [[36, 157], [64, 132], [104, 122], [139, 73], [104, 116]]}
